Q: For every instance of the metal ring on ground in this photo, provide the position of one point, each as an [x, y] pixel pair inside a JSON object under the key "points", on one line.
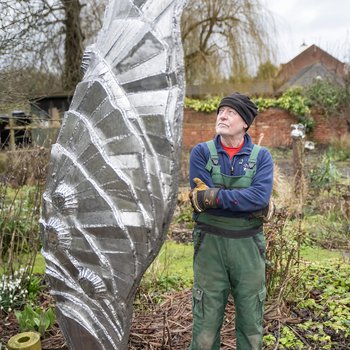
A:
{"points": [[25, 341]]}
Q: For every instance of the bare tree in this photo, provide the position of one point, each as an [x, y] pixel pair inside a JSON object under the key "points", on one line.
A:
{"points": [[46, 36], [224, 38], [73, 52]]}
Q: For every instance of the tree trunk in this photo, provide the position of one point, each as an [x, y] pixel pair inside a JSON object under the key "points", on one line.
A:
{"points": [[73, 44]]}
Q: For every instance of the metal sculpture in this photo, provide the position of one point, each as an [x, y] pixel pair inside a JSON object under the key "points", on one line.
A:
{"points": [[113, 174]]}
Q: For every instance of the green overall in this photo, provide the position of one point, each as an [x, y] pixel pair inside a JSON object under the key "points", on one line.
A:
{"points": [[229, 258]]}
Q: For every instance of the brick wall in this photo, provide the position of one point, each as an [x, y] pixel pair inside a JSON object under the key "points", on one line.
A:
{"points": [[197, 127], [329, 128], [274, 123]]}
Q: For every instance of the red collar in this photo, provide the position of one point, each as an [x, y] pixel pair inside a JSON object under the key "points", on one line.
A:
{"points": [[231, 151]]}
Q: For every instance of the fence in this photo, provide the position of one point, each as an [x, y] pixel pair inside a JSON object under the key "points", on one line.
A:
{"points": [[21, 130]]}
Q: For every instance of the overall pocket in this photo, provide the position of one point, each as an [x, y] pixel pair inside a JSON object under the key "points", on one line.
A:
{"points": [[197, 302], [260, 305], [260, 242], [197, 238]]}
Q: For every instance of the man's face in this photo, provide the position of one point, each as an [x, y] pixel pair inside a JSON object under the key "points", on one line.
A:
{"points": [[229, 122]]}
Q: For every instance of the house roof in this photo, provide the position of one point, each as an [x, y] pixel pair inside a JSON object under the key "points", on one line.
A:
{"points": [[307, 76], [309, 64]]}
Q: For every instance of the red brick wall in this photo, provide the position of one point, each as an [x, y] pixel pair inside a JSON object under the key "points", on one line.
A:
{"points": [[274, 123], [197, 127], [329, 128]]}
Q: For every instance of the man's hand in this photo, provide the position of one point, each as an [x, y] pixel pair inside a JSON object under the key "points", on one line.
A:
{"points": [[202, 197], [266, 213], [200, 185], [269, 211]]}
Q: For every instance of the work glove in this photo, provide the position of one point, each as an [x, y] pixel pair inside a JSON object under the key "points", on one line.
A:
{"points": [[266, 213], [202, 197], [269, 211]]}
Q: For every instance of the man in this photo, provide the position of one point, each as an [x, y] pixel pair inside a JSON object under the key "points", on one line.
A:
{"points": [[231, 181]]}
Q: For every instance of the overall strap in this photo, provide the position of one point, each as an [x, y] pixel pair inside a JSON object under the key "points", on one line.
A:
{"points": [[233, 227], [213, 165], [251, 169], [214, 158]]}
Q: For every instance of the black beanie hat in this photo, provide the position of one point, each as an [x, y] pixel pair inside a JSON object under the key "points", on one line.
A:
{"points": [[241, 104]]}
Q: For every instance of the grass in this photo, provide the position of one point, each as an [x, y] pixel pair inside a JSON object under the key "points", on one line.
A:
{"points": [[316, 254], [172, 268], [178, 257], [175, 259], [39, 266]]}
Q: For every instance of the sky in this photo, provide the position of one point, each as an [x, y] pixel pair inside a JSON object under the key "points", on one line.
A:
{"points": [[325, 23]]}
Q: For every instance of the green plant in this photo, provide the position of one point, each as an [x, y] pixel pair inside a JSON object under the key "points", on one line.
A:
{"points": [[185, 215], [325, 175], [36, 319], [269, 340], [34, 286], [324, 294], [289, 340], [339, 149]]}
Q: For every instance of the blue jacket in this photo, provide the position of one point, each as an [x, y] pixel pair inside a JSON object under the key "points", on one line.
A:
{"points": [[253, 198]]}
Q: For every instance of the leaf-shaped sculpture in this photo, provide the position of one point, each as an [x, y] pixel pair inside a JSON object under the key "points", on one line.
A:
{"points": [[114, 170]]}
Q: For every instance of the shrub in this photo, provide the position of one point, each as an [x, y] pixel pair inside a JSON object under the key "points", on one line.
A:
{"points": [[327, 95]]}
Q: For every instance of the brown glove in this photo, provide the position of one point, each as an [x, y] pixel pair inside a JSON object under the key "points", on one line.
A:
{"points": [[202, 197], [200, 185], [269, 211], [266, 213]]}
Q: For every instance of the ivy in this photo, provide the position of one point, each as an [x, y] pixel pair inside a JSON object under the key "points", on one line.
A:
{"points": [[292, 101], [208, 105]]}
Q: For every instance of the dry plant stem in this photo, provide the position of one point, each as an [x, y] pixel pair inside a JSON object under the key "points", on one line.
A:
{"points": [[19, 238], [279, 336], [11, 247], [172, 330]]}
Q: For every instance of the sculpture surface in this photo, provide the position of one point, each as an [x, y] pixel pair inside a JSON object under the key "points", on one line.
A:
{"points": [[112, 183]]}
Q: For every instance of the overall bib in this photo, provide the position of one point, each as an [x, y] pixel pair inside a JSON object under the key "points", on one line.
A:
{"points": [[229, 257]]}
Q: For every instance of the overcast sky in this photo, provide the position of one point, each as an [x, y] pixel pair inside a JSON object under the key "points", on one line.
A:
{"points": [[325, 23]]}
